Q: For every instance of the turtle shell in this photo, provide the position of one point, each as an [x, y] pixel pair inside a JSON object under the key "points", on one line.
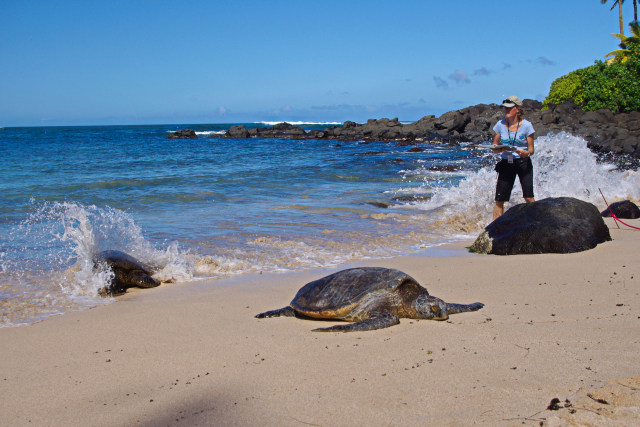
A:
{"points": [[354, 293], [127, 272], [121, 260]]}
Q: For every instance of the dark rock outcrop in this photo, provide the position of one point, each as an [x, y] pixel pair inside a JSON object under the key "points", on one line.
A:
{"points": [[183, 134], [552, 225], [237, 132], [604, 131], [625, 209], [281, 131]]}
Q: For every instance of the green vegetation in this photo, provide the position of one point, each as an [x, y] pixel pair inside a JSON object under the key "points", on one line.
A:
{"points": [[622, 54], [614, 84]]}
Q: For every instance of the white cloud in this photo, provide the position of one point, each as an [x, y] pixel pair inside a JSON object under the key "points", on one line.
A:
{"points": [[459, 77]]}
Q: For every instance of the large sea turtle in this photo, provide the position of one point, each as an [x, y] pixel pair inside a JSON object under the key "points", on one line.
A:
{"points": [[127, 272], [372, 297]]}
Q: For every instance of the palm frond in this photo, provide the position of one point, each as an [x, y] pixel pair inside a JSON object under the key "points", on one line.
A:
{"points": [[615, 3], [617, 52]]}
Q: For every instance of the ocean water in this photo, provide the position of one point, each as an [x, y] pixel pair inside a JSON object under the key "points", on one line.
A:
{"points": [[210, 208]]}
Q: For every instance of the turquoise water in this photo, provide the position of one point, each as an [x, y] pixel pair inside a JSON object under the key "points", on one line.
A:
{"points": [[210, 208]]}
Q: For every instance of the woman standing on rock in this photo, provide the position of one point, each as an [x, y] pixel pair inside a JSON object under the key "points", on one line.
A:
{"points": [[517, 133]]}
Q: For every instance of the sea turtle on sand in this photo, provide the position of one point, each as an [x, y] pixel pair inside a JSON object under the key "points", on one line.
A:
{"points": [[372, 297], [127, 273]]}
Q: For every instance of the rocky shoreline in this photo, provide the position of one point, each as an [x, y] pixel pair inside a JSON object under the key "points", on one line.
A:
{"points": [[604, 131]]}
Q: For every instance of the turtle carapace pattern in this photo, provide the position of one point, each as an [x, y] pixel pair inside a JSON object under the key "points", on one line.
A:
{"points": [[370, 297]]}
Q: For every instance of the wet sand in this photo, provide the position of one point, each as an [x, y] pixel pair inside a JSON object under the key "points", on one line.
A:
{"points": [[553, 326]]}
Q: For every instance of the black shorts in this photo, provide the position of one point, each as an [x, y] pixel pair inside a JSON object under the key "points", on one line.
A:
{"points": [[507, 176]]}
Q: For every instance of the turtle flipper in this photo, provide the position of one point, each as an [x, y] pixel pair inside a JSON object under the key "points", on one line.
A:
{"points": [[461, 308], [378, 320], [284, 311]]}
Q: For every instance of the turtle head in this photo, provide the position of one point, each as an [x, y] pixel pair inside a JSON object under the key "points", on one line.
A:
{"points": [[142, 279], [429, 307]]}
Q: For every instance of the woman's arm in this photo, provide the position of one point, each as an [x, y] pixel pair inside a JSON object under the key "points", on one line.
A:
{"points": [[496, 141], [529, 151]]}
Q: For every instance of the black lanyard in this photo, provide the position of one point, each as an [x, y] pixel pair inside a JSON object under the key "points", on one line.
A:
{"points": [[515, 135]]}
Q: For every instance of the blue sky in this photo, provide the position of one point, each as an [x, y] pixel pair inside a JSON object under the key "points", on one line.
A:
{"points": [[186, 62]]}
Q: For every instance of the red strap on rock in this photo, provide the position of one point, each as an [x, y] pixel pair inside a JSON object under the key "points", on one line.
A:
{"points": [[615, 218], [618, 219]]}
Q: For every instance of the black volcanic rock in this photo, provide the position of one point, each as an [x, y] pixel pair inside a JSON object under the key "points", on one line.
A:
{"points": [[183, 134], [625, 209], [604, 131], [552, 225], [281, 130]]}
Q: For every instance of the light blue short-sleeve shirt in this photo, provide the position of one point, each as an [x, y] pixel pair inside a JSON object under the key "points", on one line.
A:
{"points": [[517, 139]]}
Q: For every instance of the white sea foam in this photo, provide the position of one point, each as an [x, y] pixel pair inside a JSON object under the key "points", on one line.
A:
{"points": [[53, 269], [205, 132], [563, 166], [211, 132]]}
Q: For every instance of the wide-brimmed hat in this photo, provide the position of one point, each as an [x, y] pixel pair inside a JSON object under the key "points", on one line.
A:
{"points": [[512, 101]]}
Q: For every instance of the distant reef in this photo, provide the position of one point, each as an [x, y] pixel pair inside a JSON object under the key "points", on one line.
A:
{"points": [[183, 134], [604, 131]]}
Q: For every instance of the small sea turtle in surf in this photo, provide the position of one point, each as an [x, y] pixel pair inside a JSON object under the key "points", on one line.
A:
{"points": [[372, 297], [127, 273]]}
